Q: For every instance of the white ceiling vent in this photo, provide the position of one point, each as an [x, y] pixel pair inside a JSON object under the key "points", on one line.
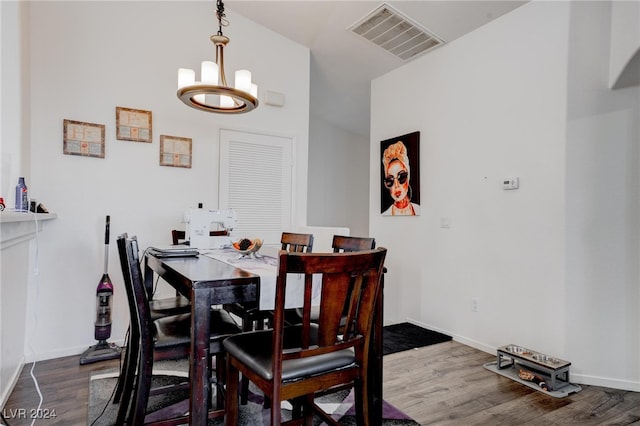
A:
{"points": [[395, 33]]}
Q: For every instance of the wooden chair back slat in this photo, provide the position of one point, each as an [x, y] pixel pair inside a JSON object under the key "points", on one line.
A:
{"points": [[297, 243], [343, 243]]}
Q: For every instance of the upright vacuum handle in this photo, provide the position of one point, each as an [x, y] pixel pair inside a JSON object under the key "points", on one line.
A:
{"points": [[106, 230]]}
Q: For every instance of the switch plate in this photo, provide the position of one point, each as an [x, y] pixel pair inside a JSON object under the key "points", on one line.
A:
{"points": [[510, 183], [274, 98], [475, 304], [445, 222]]}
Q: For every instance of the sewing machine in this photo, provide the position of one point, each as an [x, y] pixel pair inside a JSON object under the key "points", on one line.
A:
{"points": [[198, 222]]}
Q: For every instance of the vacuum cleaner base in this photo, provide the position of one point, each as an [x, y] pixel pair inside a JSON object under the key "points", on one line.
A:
{"points": [[101, 351]]}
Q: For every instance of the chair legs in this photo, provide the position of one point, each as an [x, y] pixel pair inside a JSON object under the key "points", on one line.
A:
{"points": [[247, 325], [231, 396], [221, 379], [304, 407], [275, 411], [252, 320], [361, 403]]}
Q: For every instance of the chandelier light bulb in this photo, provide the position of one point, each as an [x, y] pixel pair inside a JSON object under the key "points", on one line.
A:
{"points": [[186, 77], [209, 72], [243, 80]]}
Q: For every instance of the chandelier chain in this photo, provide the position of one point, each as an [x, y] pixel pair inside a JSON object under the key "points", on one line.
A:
{"points": [[220, 14]]}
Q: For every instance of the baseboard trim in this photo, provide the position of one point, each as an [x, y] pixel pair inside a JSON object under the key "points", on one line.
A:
{"points": [[606, 382], [77, 350], [583, 379], [13, 381]]}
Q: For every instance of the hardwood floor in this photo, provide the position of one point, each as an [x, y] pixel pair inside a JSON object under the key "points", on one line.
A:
{"points": [[64, 385], [446, 384], [443, 384]]}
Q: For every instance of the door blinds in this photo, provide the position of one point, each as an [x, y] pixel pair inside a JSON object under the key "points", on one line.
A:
{"points": [[255, 181]]}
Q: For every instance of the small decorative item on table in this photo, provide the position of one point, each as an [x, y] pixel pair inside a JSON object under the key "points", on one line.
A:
{"points": [[247, 247]]}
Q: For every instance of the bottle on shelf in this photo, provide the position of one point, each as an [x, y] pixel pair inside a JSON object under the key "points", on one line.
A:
{"points": [[22, 197]]}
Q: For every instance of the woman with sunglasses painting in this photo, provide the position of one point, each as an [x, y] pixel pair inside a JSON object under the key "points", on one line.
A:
{"points": [[397, 177]]}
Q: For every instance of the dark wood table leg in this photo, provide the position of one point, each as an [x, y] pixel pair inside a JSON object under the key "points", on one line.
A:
{"points": [[199, 361], [375, 361]]}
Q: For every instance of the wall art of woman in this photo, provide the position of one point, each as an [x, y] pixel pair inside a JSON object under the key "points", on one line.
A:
{"points": [[398, 196]]}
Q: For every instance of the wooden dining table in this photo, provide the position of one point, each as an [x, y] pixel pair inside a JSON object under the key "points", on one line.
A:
{"points": [[208, 281], [205, 282]]}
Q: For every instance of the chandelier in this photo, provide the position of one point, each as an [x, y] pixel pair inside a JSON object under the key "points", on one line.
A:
{"points": [[212, 94]]}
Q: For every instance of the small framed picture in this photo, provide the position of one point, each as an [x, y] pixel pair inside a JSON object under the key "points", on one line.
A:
{"points": [[133, 125], [85, 139], [175, 151]]}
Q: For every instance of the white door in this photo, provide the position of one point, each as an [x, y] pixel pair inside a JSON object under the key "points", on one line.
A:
{"points": [[255, 181]]}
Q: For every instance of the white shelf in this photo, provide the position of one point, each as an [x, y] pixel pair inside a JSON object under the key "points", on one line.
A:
{"points": [[16, 227]]}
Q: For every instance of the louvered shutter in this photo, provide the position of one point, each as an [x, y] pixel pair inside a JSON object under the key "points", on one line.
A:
{"points": [[255, 181]]}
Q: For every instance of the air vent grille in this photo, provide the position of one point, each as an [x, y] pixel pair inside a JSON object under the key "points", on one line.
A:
{"points": [[389, 29]]}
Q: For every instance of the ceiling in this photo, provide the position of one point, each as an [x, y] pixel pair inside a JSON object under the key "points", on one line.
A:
{"points": [[343, 64]]}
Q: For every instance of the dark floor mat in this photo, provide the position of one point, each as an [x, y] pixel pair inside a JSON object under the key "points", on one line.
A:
{"points": [[405, 336]]}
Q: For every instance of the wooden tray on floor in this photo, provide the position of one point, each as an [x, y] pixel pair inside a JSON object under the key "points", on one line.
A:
{"points": [[512, 374]]}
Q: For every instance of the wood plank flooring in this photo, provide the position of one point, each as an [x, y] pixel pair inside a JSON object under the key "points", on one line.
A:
{"points": [[443, 384], [446, 384], [64, 385]]}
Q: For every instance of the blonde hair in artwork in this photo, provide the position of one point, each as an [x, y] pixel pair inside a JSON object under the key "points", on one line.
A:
{"points": [[396, 151]]}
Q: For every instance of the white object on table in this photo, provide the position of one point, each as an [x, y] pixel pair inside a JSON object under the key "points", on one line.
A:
{"points": [[265, 264]]}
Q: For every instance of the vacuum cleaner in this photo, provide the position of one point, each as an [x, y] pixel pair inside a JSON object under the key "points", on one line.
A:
{"points": [[102, 350]]}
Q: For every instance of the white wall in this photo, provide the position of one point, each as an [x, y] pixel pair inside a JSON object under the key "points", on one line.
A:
{"points": [[491, 105], [338, 178], [13, 161], [86, 59], [14, 157], [602, 205]]}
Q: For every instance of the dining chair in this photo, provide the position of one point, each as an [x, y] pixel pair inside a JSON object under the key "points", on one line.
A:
{"points": [[153, 340], [252, 318], [343, 243], [296, 243], [295, 362], [158, 308]]}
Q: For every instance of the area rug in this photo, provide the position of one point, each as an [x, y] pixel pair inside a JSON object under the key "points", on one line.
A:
{"points": [[405, 336], [101, 412]]}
